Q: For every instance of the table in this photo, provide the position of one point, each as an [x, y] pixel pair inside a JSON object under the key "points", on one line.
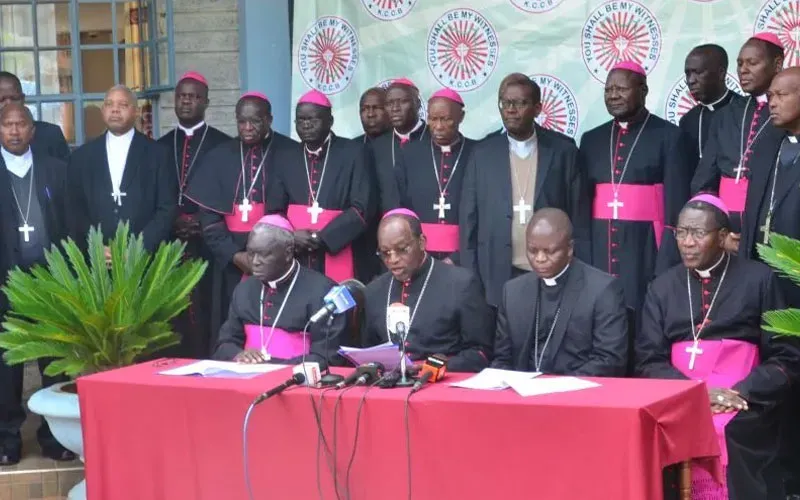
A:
{"points": [[153, 437]]}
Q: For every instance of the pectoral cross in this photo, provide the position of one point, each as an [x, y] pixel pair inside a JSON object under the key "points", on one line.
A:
{"points": [[441, 207], [26, 230], [522, 209], [739, 171], [117, 195], [694, 350], [244, 208], [314, 210], [766, 227], [615, 206]]}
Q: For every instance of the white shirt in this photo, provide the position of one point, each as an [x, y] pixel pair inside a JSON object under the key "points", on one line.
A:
{"points": [[18, 165], [117, 147], [523, 149], [190, 131], [706, 273], [554, 280]]}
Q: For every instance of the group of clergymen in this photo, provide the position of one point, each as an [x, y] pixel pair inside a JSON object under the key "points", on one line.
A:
{"points": [[633, 254]]}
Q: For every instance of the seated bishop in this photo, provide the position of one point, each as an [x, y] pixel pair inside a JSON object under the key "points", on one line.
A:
{"points": [[565, 317], [702, 321], [430, 306], [270, 309]]}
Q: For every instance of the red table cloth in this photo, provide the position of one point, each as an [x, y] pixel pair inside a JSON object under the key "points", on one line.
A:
{"points": [[153, 437]]}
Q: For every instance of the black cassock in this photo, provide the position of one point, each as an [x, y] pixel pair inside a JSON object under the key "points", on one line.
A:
{"points": [[384, 152], [655, 185], [486, 213], [49, 139], [148, 184], [748, 289], [49, 189], [450, 317], [696, 123], [589, 338], [218, 187], [186, 151], [338, 181], [305, 299], [733, 134], [426, 171]]}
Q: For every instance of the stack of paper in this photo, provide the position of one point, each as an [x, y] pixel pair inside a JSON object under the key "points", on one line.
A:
{"points": [[223, 369], [386, 354], [492, 379], [550, 385]]}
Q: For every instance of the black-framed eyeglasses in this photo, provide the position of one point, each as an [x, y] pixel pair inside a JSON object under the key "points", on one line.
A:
{"points": [[513, 103], [696, 233], [400, 252]]}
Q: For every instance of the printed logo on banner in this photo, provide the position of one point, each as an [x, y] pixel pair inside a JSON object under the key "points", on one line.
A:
{"points": [[328, 54], [782, 17], [559, 107], [536, 6], [462, 49], [388, 10], [423, 109], [680, 100], [620, 30]]}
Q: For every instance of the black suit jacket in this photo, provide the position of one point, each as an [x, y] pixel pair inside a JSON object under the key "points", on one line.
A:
{"points": [[148, 181], [590, 336], [49, 176], [486, 213], [49, 140]]}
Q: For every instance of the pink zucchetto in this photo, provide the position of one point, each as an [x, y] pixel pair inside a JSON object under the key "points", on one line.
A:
{"points": [[315, 97], [450, 94], [404, 81], [631, 66], [772, 38], [278, 221], [713, 201], [257, 95], [194, 75], [401, 211]]}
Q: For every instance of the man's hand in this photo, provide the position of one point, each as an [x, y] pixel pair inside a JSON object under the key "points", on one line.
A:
{"points": [[447, 260], [250, 356], [726, 400], [304, 241], [732, 243], [187, 227], [108, 256], [241, 261]]}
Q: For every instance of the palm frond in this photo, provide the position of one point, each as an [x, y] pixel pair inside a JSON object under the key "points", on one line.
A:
{"points": [[783, 255], [783, 322]]}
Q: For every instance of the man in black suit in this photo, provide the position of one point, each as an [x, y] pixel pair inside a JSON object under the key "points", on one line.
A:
{"points": [[32, 217], [566, 317], [509, 176], [48, 137], [121, 175]]}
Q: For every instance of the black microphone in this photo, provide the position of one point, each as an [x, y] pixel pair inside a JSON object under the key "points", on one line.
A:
{"points": [[363, 374], [297, 379]]}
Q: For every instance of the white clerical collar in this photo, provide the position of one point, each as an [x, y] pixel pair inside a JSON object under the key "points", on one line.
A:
{"points": [[554, 280], [761, 98], [407, 136], [449, 148], [710, 106], [274, 284], [317, 151], [792, 139], [18, 165], [120, 140], [522, 149], [706, 273], [191, 130]]}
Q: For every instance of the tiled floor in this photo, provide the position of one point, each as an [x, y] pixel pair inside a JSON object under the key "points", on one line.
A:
{"points": [[36, 477]]}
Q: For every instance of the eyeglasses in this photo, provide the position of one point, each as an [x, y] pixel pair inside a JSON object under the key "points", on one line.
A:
{"points": [[698, 234], [516, 104], [400, 252]]}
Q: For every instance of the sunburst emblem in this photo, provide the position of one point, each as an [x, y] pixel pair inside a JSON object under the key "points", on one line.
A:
{"points": [[559, 106], [388, 10], [462, 49], [785, 22], [328, 54], [620, 38]]}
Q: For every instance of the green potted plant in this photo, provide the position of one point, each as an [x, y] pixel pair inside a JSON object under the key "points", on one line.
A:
{"points": [[87, 316], [783, 255]]}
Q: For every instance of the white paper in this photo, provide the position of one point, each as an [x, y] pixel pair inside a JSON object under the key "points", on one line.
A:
{"points": [[550, 385], [211, 368], [386, 354], [492, 379]]}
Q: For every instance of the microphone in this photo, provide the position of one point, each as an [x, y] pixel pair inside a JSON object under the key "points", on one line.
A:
{"points": [[364, 374], [338, 300], [432, 371], [297, 379]]}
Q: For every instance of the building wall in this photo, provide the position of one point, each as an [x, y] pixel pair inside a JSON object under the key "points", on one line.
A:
{"points": [[206, 39]]}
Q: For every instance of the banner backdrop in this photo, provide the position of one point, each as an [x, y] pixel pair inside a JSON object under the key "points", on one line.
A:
{"points": [[343, 47]]}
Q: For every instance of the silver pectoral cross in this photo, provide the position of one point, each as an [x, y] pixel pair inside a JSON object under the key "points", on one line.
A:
{"points": [[315, 211], [26, 231], [739, 170], [441, 207], [244, 208], [694, 350], [522, 210], [615, 206], [117, 196]]}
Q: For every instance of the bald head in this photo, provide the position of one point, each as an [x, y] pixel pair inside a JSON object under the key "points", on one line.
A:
{"points": [[549, 242], [16, 128], [553, 220]]}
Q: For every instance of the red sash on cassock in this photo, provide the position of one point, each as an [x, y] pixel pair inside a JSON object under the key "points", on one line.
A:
{"points": [[642, 203], [234, 221], [733, 194], [283, 344], [338, 267], [441, 237]]}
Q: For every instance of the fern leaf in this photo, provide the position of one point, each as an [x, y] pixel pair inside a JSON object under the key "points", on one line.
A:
{"points": [[783, 322], [783, 255]]}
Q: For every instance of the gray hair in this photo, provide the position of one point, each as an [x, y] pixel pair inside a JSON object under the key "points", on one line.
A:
{"points": [[275, 235], [122, 88]]}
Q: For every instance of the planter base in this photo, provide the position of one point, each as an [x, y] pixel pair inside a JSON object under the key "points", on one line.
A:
{"points": [[78, 492]]}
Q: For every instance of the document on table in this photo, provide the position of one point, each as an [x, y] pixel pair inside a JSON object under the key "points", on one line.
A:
{"points": [[223, 369], [492, 379], [550, 385], [386, 354]]}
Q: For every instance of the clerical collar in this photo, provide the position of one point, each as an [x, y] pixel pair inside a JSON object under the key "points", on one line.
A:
{"points": [[793, 138], [317, 151], [710, 106], [18, 165], [285, 277], [762, 98], [116, 140], [191, 130], [522, 149], [449, 148], [706, 273], [640, 115], [407, 136], [554, 280]]}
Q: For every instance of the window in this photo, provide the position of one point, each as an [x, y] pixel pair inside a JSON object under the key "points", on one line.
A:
{"points": [[67, 53]]}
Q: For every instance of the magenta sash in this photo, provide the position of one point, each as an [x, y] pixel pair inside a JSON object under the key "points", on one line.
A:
{"points": [[234, 221], [282, 345], [722, 364], [733, 194], [441, 237], [641, 203], [338, 267]]}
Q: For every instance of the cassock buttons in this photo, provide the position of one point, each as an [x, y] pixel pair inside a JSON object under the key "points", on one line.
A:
{"points": [[269, 304], [706, 292]]}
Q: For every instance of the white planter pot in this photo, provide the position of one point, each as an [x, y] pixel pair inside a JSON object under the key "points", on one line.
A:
{"points": [[63, 415]]}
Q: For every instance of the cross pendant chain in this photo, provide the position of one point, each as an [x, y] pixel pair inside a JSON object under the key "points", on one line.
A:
{"points": [[315, 211], [117, 195], [26, 230], [441, 206], [615, 206], [522, 210], [694, 351], [245, 207]]}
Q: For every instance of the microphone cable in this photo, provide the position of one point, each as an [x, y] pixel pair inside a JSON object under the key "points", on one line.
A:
{"points": [[335, 444], [408, 441], [352, 458], [244, 450]]}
